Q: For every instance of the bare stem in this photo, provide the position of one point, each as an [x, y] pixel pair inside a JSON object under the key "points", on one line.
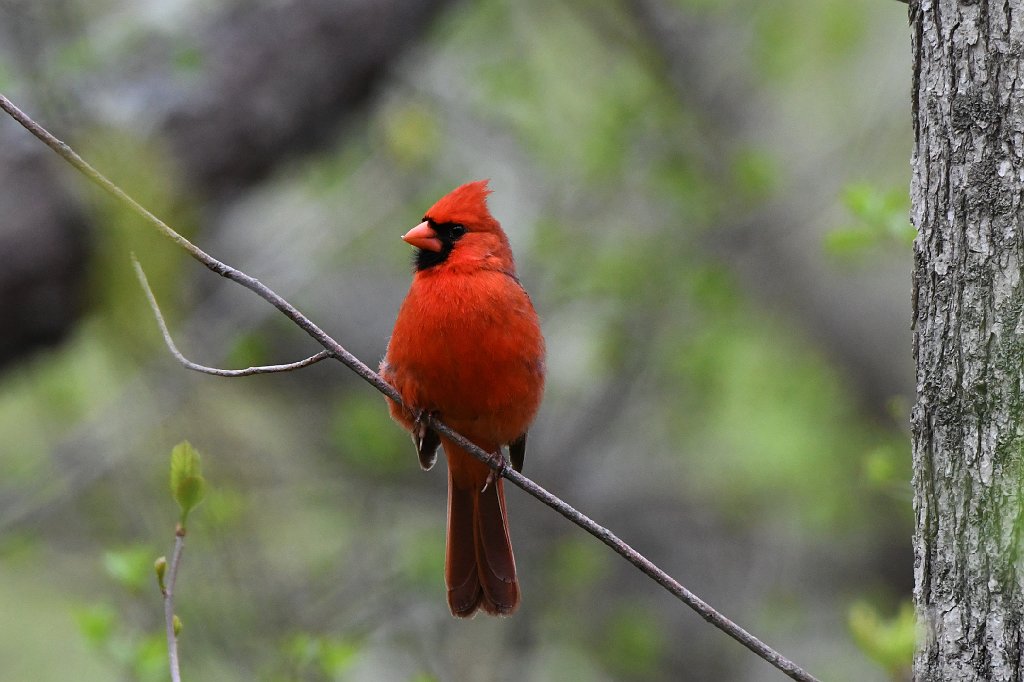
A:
{"points": [[705, 610], [168, 591], [216, 371]]}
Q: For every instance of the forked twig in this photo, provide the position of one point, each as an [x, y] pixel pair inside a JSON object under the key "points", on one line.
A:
{"points": [[337, 351], [216, 371]]}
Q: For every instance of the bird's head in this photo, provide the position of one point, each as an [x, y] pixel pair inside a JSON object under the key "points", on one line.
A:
{"points": [[460, 230]]}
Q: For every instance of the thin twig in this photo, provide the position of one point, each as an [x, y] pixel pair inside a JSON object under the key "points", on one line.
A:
{"points": [[168, 592], [216, 371], [336, 350]]}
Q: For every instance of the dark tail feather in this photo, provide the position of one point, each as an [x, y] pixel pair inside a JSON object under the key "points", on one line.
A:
{"points": [[494, 553], [460, 571], [479, 567]]}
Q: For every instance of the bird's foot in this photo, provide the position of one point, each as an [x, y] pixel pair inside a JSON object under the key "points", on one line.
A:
{"points": [[425, 439], [497, 459], [419, 425]]}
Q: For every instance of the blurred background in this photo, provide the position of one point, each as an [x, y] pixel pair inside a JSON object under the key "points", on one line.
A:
{"points": [[707, 199]]}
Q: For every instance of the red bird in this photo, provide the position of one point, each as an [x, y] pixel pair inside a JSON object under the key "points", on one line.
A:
{"points": [[467, 348]]}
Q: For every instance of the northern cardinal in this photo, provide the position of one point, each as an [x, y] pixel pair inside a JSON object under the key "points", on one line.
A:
{"points": [[467, 348]]}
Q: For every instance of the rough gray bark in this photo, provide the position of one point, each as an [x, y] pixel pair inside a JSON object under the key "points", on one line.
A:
{"points": [[968, 180]]}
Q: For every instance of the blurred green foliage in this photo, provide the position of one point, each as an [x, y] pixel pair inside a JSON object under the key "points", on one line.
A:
{"points": [[363, 434], [803, 436], [97, 623], [132, 567], [411, 132], [188, 59], [578, 565], [320, 546], [889, 642], [794, 37], [45, 398], [881, 219], [144, 171], [422, 557], [633, 642], [319, 658], [224, 508], [524, 85], [756, 174], [140, 658], [249, 349]]}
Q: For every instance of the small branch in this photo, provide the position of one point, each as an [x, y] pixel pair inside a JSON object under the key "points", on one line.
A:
{"points": [[705, 610], [248, 371], [222, 269], [168, 592]]}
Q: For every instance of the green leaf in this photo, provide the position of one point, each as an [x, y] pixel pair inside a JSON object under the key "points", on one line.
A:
{"points": [[187, 483]]}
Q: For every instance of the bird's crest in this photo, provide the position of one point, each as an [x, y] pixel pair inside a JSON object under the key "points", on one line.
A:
{"points": [[465, 205]]}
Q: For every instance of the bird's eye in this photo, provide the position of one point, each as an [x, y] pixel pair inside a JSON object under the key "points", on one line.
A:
{"points": [[458, 231]]}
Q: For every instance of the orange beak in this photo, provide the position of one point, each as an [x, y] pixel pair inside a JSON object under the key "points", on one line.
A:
{"points": [[423, 237]]}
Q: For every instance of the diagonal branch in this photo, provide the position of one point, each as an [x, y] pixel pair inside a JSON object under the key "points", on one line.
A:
{"points": [[705, 610], [216, 371]]}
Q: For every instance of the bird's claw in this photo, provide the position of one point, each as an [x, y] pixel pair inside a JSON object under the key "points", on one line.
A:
{"points": [[424, 438], [494, 474], [419, 426]]}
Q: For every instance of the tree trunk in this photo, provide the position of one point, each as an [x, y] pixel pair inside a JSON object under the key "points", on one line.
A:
{"points": [[967, 186]]}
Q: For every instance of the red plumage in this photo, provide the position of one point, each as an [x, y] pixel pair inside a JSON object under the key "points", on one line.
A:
{"points": [[467, 347]]}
